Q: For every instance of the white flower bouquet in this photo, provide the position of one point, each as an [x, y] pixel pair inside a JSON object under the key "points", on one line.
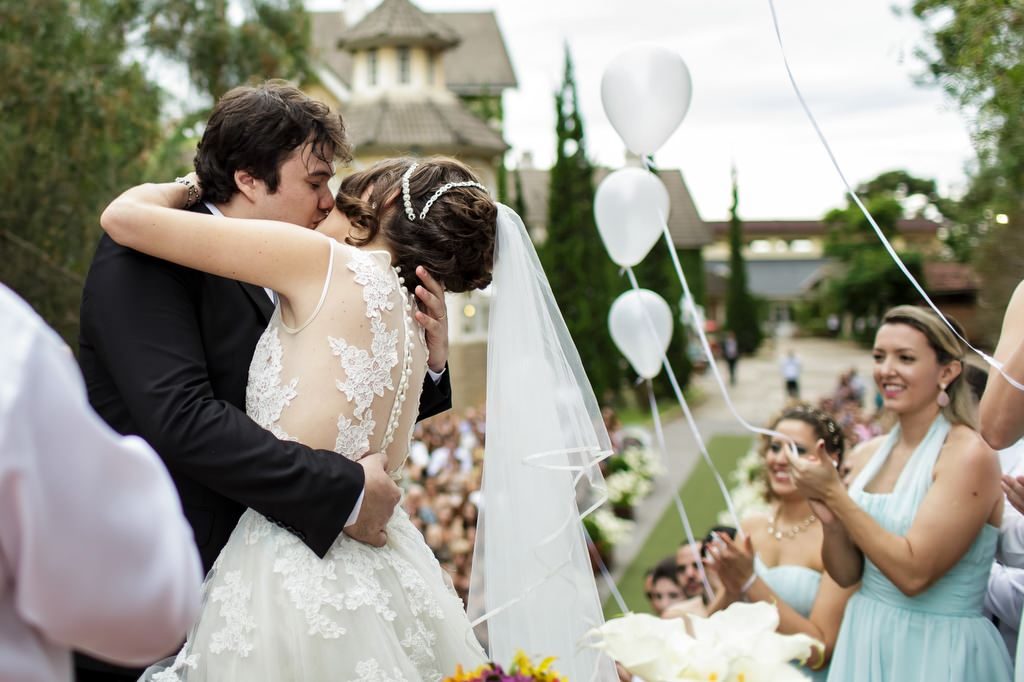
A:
{"points": [[738, 644]]}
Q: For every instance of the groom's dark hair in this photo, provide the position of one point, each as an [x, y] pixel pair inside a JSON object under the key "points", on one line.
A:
{"points": [[257, 128]]}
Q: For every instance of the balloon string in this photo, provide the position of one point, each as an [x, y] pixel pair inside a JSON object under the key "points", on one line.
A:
{"points": [[698, 324], [606, 574], [686, 411], [992, 362], [687, 528]]}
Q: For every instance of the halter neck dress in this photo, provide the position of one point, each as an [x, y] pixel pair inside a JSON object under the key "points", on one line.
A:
{"points": [[938, 635]]}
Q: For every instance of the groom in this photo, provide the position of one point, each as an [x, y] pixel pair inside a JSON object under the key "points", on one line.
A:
{"points": [[165, 350]]}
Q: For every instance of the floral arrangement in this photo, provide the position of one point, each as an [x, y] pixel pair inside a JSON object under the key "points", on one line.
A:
{"points": [[627, 487], [521, 670], [749, 489], [630, 473], [738, 644], [604, 526], [643, 460]]}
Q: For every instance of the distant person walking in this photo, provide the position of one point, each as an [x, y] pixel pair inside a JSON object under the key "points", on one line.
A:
{"points": [[833, 324], [731, 351], [791, 374]]}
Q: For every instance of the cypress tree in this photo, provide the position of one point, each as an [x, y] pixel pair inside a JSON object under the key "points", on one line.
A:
{"points": [[740, 306], [582, 276], [519, 205]]}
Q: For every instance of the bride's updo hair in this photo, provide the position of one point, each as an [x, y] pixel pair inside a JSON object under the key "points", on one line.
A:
{"points": [[454, 241]]}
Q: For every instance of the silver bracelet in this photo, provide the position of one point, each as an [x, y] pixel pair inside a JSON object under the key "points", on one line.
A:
{"points": [[193, 190]]}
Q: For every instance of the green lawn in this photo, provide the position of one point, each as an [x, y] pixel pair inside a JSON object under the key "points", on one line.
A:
{"points": [[703, 501]]}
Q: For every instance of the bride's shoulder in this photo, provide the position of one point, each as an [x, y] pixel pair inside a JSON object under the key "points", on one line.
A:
{"points": [[366, 273]]}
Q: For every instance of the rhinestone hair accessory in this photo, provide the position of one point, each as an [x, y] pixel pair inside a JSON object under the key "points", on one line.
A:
{"points": [[834, 436], [405, 193], [407, 196]]}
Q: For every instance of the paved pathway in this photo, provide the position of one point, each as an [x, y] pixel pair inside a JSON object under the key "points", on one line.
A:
{"points": [[759, 392]]}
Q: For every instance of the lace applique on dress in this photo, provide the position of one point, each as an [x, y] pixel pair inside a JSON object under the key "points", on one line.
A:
{"points": [[370, 671], [311, 585], [234, 596], [256, 527], [363, 587], [265, 396], [419, 644], [367, 373], [377, 284], [181, 661]]}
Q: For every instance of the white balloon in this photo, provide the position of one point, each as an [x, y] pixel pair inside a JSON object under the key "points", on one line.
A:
{"points": [[646, 93], [641, 325], [631, 206]]}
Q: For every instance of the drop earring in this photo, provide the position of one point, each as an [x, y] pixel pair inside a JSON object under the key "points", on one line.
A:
{"points": [[943, 398]]}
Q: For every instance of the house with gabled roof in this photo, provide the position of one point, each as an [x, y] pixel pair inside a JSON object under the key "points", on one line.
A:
{"points": [[413, 82]]}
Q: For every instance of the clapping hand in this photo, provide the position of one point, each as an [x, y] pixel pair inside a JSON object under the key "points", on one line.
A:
{"points": [[732, 561], [815, 475]]}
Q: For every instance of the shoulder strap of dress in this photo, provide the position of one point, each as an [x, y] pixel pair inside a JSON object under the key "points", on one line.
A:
{"points": [[877, 460], [323, 293], [927, 452]]}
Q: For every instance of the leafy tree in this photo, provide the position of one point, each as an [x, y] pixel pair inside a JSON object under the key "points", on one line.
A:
{"points": [[268, 39], [741, 315], [77, 117], [870, 282], [692, 261], [976, 54], [885, 197], [520, 200], [581, 275]]}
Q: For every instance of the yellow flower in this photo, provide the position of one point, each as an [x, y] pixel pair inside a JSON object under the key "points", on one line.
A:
{"points": [[541, 672], [462, 676]]}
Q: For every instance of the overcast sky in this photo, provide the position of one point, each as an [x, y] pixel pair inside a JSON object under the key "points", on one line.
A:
{"points": [[854, 61]]}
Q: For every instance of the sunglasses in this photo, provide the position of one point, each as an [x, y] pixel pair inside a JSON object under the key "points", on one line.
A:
{"points": [[776, 447]]}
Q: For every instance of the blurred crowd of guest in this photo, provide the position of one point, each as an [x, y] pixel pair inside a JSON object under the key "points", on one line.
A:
{"points": [[442, 488]]}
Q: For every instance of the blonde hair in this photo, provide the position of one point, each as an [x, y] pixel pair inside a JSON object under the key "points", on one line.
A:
{"points": [[947, 347]]}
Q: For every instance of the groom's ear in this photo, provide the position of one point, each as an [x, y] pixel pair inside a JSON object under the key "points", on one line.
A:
{"points": [[247, 184]]}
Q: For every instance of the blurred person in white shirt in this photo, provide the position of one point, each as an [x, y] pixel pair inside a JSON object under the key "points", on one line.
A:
{"points": [[95, 553]]}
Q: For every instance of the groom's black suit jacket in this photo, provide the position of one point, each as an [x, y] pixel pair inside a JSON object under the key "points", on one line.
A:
{"points": [[165, 352]]}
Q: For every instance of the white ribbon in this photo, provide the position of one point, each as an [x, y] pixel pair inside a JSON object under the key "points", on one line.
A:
{"points": [[992, 362]]}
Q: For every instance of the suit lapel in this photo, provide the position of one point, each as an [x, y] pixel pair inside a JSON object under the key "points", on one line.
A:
{"points": [[258, 295]]}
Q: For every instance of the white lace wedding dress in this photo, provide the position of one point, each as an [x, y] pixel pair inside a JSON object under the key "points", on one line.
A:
{"points": [[348, 380]]}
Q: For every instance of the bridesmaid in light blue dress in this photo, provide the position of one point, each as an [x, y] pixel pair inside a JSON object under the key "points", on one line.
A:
{"points": [[918, 526], [780, 561]]}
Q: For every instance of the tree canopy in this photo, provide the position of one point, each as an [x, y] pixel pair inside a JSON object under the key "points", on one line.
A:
{"points": [[975, 52], [82, 119]]}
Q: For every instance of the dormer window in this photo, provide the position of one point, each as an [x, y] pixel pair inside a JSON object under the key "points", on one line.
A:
{"points": [[431, 67], [404, 75], [371, 63]]}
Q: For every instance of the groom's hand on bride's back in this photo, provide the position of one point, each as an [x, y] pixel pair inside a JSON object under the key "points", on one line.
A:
{"points": [[380, 496]]}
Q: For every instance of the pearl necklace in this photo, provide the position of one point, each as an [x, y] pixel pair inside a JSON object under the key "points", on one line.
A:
{"points": [[792, 532]]}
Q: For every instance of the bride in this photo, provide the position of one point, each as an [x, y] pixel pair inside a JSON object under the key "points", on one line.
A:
{"points": [[336, 368]]}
